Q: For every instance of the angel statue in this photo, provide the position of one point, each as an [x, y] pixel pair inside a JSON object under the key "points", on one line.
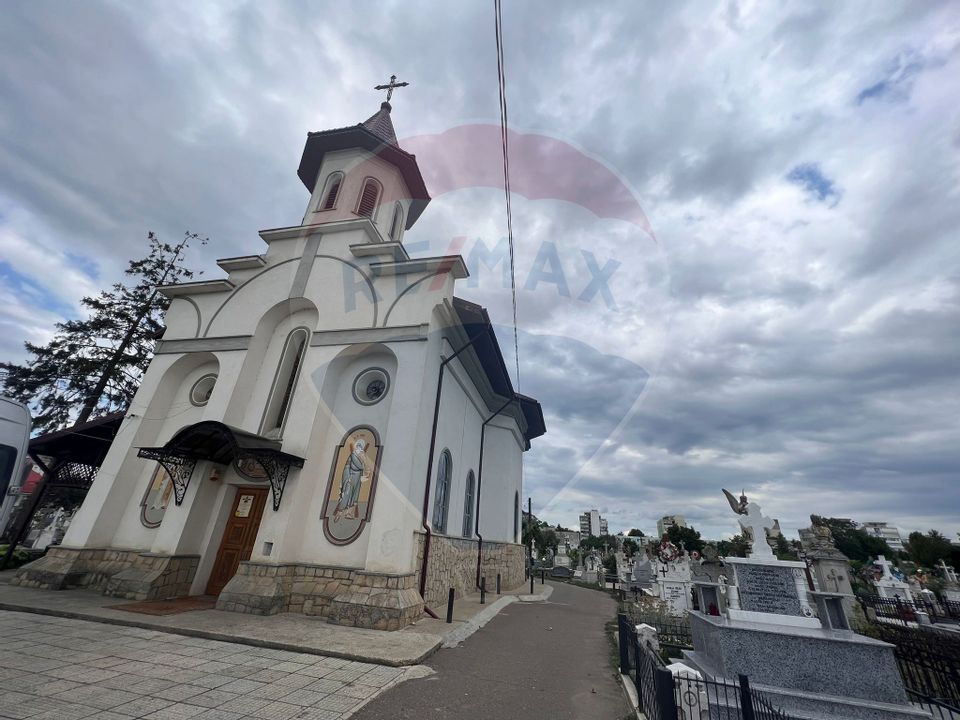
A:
{"points": [[754, 523]]}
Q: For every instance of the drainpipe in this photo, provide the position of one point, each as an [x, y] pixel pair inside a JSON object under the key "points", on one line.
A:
{"points": [[483, 430], [426, 489]]}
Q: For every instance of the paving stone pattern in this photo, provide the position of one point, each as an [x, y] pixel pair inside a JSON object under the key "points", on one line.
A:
{"points": [[59, 669]]}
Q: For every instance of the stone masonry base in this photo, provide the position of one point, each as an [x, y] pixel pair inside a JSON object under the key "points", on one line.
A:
{"points": [[130, 574], [453, 564], [344, 596]]}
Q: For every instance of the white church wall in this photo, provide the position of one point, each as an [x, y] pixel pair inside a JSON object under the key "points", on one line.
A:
{"points": [[182, 319], [97, 520], [467, 423], [336, 284], [398, 509], [267, 289], [502, 459], [268, 365], [417, 304], [138, 473], [252, 360]]}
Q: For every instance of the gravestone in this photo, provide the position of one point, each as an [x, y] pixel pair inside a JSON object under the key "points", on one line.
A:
{"points": [[768, 589], [951, 585], [641, 573], [673, 582], [887, 585], [769, 630]]}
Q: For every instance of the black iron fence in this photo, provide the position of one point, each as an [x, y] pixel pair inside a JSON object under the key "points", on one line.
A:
{"points": [[929, 663], [661, 696], [907, 611], [673, 633]]}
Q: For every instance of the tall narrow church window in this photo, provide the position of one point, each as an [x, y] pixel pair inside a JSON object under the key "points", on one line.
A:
{"points": [[441, 498], [396, 227], [368, 198], [469, 501], [285, 382], [331, 190]]}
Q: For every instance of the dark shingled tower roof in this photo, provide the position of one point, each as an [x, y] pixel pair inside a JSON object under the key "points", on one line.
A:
{"points": [[381, 125]]}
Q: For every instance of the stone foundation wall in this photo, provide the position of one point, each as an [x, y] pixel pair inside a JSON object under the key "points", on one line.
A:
{"points": [[65, 567], [378, 601], [345, 596], [154, 577], [265, 589], [131, 574], [453, 564]]}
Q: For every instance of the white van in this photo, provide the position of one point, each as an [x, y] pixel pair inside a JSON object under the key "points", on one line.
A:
{"points": [[14, 440]]}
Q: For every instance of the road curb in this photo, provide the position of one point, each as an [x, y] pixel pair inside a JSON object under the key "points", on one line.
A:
{"points": [[539, 597]]}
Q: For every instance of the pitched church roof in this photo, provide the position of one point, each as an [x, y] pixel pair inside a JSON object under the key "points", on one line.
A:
{"points": [[381, 125], [476, 323]]}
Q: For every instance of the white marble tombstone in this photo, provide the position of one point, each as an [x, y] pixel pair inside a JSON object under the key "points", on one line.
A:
{"points": [[889, 586]]}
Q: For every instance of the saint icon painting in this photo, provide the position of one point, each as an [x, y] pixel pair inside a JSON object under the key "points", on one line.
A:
{"points": [[352, 484]]}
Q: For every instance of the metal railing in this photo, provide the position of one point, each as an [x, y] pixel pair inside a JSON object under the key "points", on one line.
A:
{"points": [[906, 611], [672, 632], [661, 696], [938, 708]]}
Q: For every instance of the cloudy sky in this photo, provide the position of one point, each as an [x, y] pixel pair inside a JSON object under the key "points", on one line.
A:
{"points": [[782, 316]]}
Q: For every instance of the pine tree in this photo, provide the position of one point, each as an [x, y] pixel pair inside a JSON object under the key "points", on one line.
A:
{"points": [[94, 365]]}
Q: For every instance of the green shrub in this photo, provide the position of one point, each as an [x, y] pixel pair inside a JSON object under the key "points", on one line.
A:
{"points": [[20, 557]]}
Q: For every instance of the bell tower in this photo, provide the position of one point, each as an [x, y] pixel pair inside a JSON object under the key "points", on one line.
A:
{"points": [[360, 171]]}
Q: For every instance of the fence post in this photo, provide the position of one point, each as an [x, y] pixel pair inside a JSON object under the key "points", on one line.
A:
{"points": [[746, 699], [666, 701], [623, 638]]}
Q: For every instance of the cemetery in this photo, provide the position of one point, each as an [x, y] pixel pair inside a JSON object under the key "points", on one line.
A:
{"points": [[780, 637]]}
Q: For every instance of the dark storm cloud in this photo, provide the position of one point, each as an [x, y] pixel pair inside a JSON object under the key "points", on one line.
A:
{"points": [[773, 338]]}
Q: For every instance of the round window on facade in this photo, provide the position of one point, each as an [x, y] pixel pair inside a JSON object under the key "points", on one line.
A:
{"points": [[371, 386], [202, 390]]}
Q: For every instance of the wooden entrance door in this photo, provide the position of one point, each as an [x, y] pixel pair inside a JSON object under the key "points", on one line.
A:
{"points": [[238, 536]]}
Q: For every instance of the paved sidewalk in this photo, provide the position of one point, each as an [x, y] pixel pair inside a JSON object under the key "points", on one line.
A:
{"points": [[286, 631], [549, 660], [55, 668]]}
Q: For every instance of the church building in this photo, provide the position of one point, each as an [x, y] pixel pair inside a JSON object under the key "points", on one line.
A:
{"points": [[327, 430]]}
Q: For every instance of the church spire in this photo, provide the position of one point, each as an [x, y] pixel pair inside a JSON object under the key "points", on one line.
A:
{"points": [[381, 125]]}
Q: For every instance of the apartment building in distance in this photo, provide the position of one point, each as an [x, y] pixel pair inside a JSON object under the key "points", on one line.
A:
{"points": [[591, 524], [667, 522], [886, 532]]}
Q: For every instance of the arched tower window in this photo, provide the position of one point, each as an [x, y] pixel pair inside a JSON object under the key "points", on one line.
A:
{"points": [[516, 516], [441, 498], [396, 227], [331, 191], [285, 382], [469, 500], [369, 197]]}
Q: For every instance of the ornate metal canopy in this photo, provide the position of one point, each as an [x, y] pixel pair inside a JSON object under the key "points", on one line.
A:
{"points": [[254, 456]]}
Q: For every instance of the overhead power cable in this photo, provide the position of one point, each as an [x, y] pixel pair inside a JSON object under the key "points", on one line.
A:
{"points": [[505, 143]]}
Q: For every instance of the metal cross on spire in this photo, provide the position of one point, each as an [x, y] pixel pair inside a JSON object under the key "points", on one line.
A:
{"points": [[391, 86]]}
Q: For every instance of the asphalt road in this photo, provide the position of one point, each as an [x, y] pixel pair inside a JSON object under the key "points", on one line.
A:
{"points": [[547, 660]]}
